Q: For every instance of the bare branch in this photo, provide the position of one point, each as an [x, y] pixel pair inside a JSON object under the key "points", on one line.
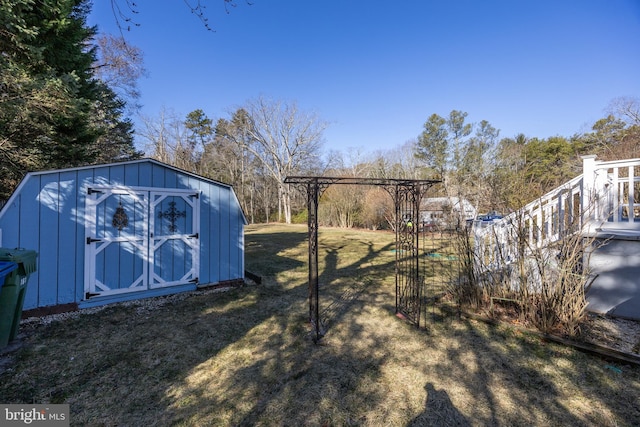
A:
{"points": [[123, 14]]}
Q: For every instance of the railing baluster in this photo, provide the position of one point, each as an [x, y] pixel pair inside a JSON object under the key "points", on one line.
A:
{"points": [[616, 209], [630, 208]]}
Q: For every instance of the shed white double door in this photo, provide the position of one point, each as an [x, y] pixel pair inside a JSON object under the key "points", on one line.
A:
{"points": [[139, 239]]}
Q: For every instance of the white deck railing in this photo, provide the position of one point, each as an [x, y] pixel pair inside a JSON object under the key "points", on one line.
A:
{"points": [[616, 189], [604, 199]]}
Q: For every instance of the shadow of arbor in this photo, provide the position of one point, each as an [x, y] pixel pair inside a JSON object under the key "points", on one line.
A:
{"points": [[355, 278]]}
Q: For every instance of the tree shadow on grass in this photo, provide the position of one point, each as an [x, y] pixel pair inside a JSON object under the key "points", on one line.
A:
{"points": [[518, 380], [263, 252], [287, 367], [116, 366]]}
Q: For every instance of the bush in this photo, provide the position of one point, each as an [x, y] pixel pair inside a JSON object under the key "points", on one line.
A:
{"points": [[300, 218], [546, 283]]}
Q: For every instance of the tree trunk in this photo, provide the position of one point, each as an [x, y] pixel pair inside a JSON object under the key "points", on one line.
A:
{"points": [[286, 201], [280, 196]]}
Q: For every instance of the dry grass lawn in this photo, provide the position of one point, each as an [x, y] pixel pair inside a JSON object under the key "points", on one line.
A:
{"points": [[245, 357]]}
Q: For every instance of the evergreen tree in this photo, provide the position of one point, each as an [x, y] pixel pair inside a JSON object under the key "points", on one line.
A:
{"points": [[433, 144], [115, 140], [53, 113]]}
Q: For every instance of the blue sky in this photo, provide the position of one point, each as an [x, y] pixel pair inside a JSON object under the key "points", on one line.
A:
{"points": [[376, 70]]}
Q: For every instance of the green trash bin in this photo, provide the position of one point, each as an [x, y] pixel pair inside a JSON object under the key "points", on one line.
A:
{"points": [[13, 291], [6, 267]]}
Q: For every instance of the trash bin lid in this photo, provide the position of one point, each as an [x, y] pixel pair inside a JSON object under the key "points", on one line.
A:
{"points": [[7, 267], [26, 258]]}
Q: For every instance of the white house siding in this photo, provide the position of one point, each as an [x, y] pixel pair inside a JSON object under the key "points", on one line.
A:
{"points": [[615, 265]]}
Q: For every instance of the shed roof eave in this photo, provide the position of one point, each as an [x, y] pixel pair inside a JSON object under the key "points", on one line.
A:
{"points": [[29, 175]]}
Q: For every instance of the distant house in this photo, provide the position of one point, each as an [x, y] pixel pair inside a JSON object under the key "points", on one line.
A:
{"points": [[446, 212], [123, 231]]}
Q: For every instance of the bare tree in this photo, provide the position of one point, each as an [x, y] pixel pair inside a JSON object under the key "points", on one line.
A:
{"points": [[377, 209], [286, 140], [616, 136], [227, 156], [120, 65], [342, 204], [627, 109], [165, 139]]}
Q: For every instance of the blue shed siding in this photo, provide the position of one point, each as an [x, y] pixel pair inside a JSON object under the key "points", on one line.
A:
{"points": [[214, 222], [205, 229], [49, 235], [47, 214], [66, 234], [29, 233]]}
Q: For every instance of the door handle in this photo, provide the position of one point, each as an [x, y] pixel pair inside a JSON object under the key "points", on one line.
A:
{"points": [[90, 240]]}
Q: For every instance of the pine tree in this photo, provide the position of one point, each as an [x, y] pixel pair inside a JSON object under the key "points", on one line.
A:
{"points": [[54, 113]]}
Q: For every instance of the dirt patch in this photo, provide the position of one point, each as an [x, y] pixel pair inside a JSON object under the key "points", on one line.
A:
{"points": [[607, 331], [612, 332]]}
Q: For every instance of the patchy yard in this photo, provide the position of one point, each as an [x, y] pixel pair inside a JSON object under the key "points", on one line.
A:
{"points": [[245, 357]]}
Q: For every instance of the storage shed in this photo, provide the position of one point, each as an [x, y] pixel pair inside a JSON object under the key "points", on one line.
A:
{"points": [[123, 231]]}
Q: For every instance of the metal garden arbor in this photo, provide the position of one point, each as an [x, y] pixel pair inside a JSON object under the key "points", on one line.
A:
{"points": [[407, 194]]}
